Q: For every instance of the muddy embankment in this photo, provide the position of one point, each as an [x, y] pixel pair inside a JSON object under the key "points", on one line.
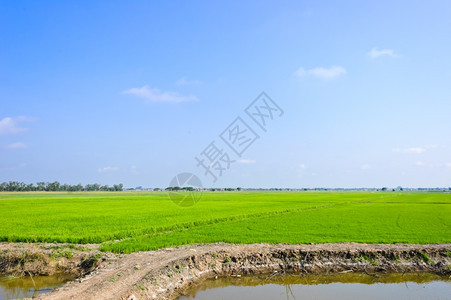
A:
{"points": [[27, 259], [167, 273], [179, 275]]}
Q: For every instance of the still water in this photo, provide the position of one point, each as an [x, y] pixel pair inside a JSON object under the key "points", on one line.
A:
{"points": [[334, 286], [13, 287]]}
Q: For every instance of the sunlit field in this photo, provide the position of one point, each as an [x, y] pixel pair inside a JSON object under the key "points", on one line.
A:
{"points": [[135, 221]]}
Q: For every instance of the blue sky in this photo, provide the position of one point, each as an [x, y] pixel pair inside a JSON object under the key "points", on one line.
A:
{"points": [[131, 92]]}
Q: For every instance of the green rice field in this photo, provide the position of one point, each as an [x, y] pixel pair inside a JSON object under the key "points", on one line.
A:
{"points": [[134, 221]]}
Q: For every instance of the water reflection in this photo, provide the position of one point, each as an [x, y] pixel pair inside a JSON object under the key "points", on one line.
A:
{"points": [[12, 287], [333, 286]]}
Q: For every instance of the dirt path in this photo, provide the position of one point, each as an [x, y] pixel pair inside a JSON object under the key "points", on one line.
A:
{"points": [[166, 273], [115, 277]]}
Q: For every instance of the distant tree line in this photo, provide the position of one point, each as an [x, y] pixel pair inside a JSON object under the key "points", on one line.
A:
{"points": [[189, 188], [178, 188], [15, 186]]}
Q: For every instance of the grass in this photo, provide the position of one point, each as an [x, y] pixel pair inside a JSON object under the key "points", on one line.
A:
{"points": [[425, 257], [135, 221]]}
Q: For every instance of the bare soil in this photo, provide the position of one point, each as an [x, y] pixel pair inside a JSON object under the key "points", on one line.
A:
{"points": [[29, 259], [167, 273]]}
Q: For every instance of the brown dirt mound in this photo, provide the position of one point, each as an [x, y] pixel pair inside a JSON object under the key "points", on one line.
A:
{"points": [[167, 273], [24, 259]]}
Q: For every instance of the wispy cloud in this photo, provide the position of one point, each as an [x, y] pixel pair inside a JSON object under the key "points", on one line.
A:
{"points": [[375, 53], [365, 167], [432, 164], [155, 95], [11, 125], [186, 81], [107, 169], [414, 150], [246, 161], [17, 145], [134, 169], [323, 73], [300, 170], [14, 168]]}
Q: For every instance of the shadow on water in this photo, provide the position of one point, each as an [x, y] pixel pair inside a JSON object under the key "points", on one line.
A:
{"points": [[19, 287], [332, 286]]}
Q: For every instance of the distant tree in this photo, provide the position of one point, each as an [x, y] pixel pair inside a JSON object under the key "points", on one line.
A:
{"points": [[92, 187], [53, 186], [118, 187], [384, 189], [31, 187], [41, 186], [15, 186], [173, 188]]}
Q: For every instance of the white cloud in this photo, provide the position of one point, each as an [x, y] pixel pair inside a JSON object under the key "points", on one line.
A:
{"points": [[17, 145], [414, 150], [246, 161], [107, 169], [10, 125], [323, 73], [366, 167], [20, 166], [186, 81], [301, 170], [155, 95], [432, 165], [375, 53]]}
